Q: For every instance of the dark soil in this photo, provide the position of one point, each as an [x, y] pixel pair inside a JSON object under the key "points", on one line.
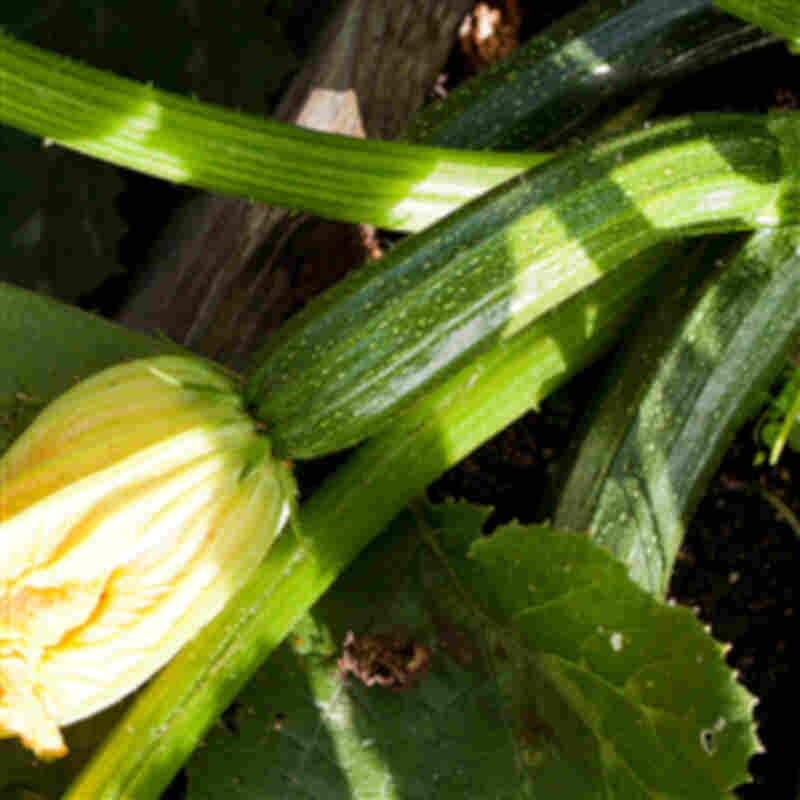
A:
{"points": [[738, 566]]}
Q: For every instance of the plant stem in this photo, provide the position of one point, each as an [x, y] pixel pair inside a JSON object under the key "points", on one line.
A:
{"points": [[784, 512], [389, 184]]}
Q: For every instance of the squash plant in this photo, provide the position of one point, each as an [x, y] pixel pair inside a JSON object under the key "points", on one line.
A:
{"points": [[566, 675]]}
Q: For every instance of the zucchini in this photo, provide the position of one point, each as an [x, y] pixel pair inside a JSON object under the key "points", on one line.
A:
{"points": [[696, 369], [553, 83], [362, 351]]}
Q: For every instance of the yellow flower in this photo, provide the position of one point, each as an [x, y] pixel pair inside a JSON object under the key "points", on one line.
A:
{"points": [[130, 511]]}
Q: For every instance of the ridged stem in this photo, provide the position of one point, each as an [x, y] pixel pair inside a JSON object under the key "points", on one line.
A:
{"points": [[389, 184]]}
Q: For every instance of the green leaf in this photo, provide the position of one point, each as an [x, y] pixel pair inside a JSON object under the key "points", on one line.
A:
{"points": [[550, 675], [46, 346], [17, 410]]}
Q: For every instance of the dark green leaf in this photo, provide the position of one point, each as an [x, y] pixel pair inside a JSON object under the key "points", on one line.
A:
{"points": [[47, 345], [550, 675]]}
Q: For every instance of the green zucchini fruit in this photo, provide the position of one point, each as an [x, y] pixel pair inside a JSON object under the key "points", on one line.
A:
{"points": [[695, 370], [361, 352], [548, 87]]}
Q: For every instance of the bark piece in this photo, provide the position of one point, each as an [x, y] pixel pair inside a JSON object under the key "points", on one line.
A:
{"points": [[221, 277]]}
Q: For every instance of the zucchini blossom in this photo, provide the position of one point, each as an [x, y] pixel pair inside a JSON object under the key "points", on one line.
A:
{"points": [[131, 509]]}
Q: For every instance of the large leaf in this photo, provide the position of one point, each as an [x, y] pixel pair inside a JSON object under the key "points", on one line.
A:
{"points": [[46, 346], [550, 674]]}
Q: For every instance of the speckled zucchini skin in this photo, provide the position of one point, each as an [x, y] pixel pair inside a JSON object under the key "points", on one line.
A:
{"points": [[362, 351], [696, 369], [551, 85]]}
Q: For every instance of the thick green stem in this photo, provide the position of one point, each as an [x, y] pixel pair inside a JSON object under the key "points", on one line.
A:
{"points": [[353, 506], [390, 184]]}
